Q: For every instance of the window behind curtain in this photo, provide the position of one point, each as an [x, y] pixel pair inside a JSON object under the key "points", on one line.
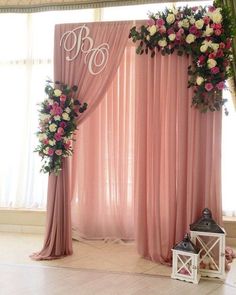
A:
{"points": [[26, 53]]}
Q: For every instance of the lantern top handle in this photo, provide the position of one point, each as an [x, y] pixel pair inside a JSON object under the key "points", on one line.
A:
{"points": [[186, 245], [206, 223]]}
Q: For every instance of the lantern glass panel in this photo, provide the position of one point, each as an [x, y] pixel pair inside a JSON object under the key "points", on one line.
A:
{"points": [[184, 265], [209, 253]]}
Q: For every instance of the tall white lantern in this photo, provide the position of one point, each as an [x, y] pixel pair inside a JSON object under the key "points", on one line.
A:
{"points": [[209, 237], [185, 260]]}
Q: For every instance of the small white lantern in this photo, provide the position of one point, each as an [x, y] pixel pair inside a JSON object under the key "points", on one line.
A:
{"points": [[207, 235], [185, 261]]}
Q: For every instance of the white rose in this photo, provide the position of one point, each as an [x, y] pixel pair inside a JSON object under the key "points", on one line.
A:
{"points": [[57, 118], [208, 32], [216, 17], [50, 101], [203, 48], [148, 37], [46, 150], [42, 136], [57, 92], [192, 20], [52, 127], [170, 18], [185, 23], [68, 110], [52, 142], [190, 38], [180, 24], [199, 24], [162, 43], [172, 37], [199, 80], [44, 117], [211, 63], [215, 46], [152, 30], [65, 116]]}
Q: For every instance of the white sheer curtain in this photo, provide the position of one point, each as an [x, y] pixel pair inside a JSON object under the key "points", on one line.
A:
{"points": [[229, 159], [25, 63]]}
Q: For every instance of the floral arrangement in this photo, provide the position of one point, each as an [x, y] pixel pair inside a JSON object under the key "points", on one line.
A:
{"points": [[57, 123], [205, 33]]}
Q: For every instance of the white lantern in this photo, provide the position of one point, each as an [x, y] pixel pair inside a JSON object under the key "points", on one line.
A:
{"points": [[207, 235], [185, 260]]}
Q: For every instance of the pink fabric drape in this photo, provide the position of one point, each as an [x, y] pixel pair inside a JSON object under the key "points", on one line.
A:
{"points": [[92, 88], [103, 162], [177, 156]]}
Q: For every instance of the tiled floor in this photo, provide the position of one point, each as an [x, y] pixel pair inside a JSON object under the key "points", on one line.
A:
{"points": [[94, 268]]}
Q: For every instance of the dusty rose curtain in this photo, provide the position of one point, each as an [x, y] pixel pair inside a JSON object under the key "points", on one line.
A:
{"points": [[177, 156], [103, 162], [92, 88]]}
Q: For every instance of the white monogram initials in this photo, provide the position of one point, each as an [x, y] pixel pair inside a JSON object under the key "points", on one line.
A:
{"points": [[78, 40]]}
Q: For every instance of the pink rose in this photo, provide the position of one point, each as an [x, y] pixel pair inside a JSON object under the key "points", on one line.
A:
{"points": [[222, 45], [217, 26], [162, 30], [217, 32], [67, 144], [50, 151], [63, 98], [60, 130], [220, 85], [63, 124], [57, 136], [160, 22], [151, 22], [46, 141], [211, 8], [208, 86], [58, 152], [215, 70], [206, 20]]}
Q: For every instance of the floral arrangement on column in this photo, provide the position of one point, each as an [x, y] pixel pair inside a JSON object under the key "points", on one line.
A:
{"points": [[205, 33], [58, 116]]}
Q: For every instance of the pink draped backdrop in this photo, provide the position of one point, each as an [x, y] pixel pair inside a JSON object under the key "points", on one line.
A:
{"points": [[145, 163]]}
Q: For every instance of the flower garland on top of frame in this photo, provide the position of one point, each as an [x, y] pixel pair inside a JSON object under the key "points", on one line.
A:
{"points": [[205, 33]]}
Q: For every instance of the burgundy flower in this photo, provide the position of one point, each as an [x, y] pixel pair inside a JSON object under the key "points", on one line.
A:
{"points": [[201, 59], [206, 20], [219, 53], [212, 55], [63, 124], [193, 30], [215, 70]]}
